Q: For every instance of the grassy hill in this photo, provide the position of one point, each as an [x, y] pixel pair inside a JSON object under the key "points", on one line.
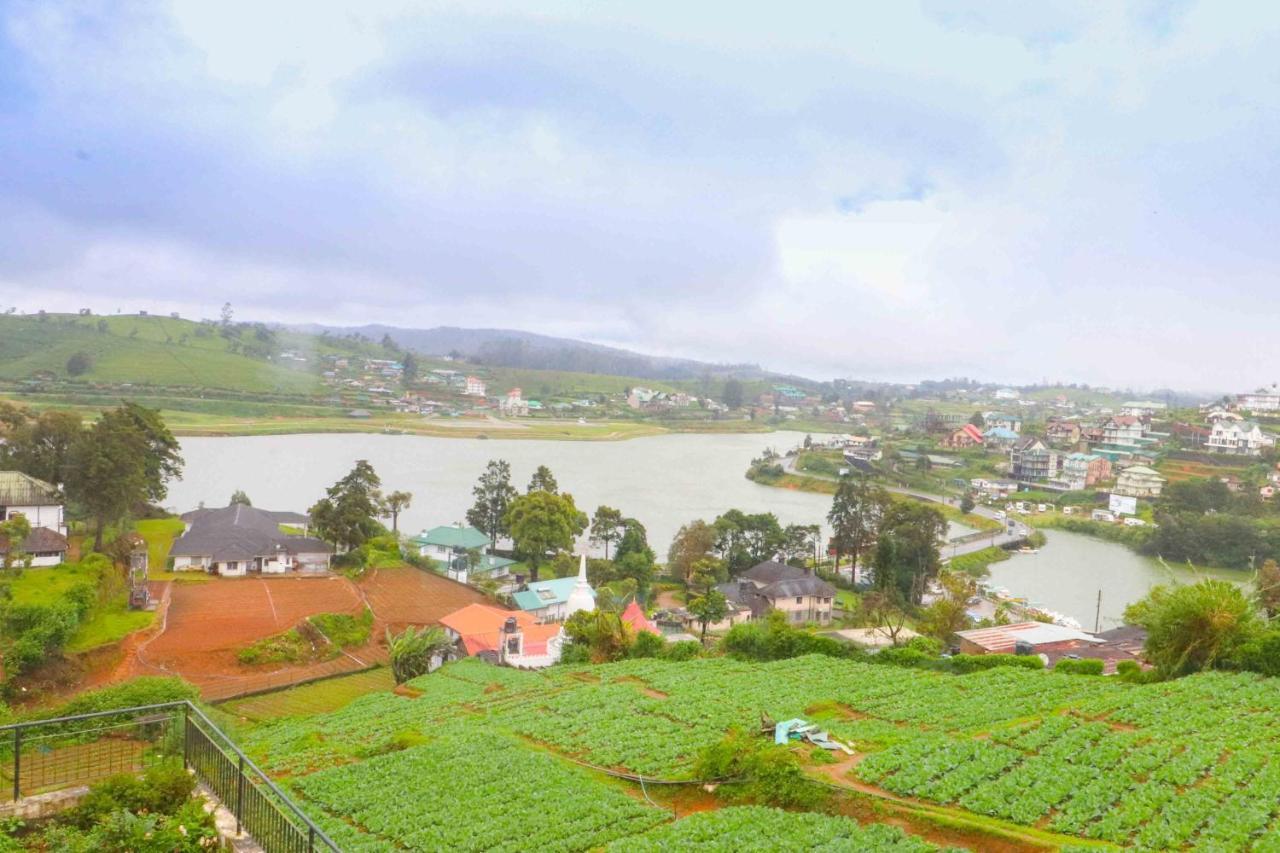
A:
{"points": [[143, 350], [1001, 759]]}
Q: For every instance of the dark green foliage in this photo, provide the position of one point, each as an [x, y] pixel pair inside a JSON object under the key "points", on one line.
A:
{"points": [[144, 690], [1196, 626], [164, 788], [1260, 654], [907, 555], [763, 773], [683, 650], [1082, 666], [744, 540], [493, 494], [774, 639], [343, 629], [347, 515], [647, 645]]}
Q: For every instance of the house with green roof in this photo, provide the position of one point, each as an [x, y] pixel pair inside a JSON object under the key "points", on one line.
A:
{"points": [[462, 550], [557, 599]]}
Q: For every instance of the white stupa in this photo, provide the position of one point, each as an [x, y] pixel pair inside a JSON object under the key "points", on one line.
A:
{"points": [[582, 597]]}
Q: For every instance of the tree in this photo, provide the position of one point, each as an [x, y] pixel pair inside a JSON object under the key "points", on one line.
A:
{"points": [[733, 393], [493, 494], [1267, 588], [606, 527], [744, 540], [227, 314], [885, 610], [949, 612], [800, 543], [40, 446], [79, 363], [13, 533], [347, 515], [412, 651], [856, 511], [693, 542], [907, 549], [602, 632], [410, 366], [163, 457], [239, 497], [708, 605], [394, 504], [978, 420], [543, 524], [635, 540], [107, 472], [543, 481], [1194, 627], [966, 503]]}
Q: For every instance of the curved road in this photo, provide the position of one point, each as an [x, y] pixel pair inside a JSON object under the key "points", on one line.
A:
{"points": [[966, 544]]}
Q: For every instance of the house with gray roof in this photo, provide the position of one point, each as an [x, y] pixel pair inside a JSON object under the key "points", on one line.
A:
{"points": [[237, 540], [771, 585]]}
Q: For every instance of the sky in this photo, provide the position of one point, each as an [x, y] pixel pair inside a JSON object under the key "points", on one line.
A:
{"points": [[1011, 191]]}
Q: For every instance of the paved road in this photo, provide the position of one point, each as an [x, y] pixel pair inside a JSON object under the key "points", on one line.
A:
{"points": [[966, 544]]}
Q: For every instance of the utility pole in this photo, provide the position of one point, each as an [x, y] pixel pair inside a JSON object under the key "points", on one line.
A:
{"points": [[1097, 614]]}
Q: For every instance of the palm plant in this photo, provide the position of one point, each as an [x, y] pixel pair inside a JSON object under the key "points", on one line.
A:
{"points": [[412, 651]]}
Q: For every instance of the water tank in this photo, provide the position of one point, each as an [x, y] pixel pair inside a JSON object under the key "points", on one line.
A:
{"points": [[510, 625], [1022, 647]]}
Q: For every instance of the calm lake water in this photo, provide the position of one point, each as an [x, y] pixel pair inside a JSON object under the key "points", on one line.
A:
{"points": [[665, 481], [1068, 572]]}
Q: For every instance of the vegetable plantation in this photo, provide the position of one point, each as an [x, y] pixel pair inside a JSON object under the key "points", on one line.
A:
{"points": [[1179, 764]]}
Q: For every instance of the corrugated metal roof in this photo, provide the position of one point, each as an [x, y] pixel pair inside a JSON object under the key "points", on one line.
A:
{"points": [[19, 489], [1002, 638], [452, 536]]}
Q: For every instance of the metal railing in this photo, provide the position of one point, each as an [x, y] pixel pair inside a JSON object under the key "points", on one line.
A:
{"points": [[47, 755]]}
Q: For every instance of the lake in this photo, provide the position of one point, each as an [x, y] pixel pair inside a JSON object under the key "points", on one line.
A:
{"points": [[664, 481], [1071, 568]]}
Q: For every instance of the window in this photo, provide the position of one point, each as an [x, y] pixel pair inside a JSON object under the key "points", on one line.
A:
{"points": [[799, 599], [797, 616]]}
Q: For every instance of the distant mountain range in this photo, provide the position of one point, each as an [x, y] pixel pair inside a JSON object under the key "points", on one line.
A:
{"points": [[513, 348]]}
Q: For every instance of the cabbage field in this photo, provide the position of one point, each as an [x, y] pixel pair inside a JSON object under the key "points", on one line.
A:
{"points": [[478, 761]]}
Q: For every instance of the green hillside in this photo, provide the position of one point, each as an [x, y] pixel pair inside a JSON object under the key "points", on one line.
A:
{"points": [[1040, 759], [149, 351]]}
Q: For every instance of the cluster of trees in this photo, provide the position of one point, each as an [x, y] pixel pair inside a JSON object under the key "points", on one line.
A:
{"points": [[1212, 624], [109, 469], [347, 516], [901, 536], [1205, 522]]}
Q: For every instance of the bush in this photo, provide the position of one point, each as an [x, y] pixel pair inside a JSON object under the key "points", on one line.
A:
{"points": [[1081, 666], [974, 663], [161, 789], [683, 650], [144, 690], [769, 774], [576, 653], [775, 639], [647, 645], [343, 629], [289, 647]]}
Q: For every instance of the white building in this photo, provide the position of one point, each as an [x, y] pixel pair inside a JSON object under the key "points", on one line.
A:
{"points": [[1238, 438], [514, 405], [1139, 482], [1262, 400], [35, 500], [475, 387]]}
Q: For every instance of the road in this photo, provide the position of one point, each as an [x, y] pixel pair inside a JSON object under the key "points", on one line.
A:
{"points": [[966, 544]]}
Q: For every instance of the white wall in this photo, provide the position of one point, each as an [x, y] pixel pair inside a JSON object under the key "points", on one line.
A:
{"points": [[41, 516]]}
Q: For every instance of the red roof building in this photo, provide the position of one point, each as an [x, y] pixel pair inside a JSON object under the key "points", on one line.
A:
{"points": [[635, 617], [482, 630]]}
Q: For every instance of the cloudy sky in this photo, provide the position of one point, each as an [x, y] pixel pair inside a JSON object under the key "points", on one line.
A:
{"points": [[1007, 190]]}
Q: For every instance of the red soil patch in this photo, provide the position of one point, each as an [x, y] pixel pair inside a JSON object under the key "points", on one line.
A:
{"points": [[408, 596], [205, 624]]}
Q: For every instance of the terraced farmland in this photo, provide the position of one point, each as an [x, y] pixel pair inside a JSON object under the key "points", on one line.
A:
{"points": [[1185, 764]]}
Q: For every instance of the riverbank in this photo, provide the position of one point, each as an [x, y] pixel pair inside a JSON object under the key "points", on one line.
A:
{"points": [[231, 419]]}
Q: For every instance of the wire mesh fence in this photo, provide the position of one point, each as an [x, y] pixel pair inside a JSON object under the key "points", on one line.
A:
{"points": [[51, 755]]}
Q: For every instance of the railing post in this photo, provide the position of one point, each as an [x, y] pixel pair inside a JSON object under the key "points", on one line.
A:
{"points": [[17, 764], [239, 793], [186, 736], [311, 837]]}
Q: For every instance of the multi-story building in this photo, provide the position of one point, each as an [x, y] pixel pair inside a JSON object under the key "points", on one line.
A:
{"points": [[1262, 400], [1238, 438], [1139, 481], [1124, 431], [1082, 470], [1032, 459], [474, 387]]}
